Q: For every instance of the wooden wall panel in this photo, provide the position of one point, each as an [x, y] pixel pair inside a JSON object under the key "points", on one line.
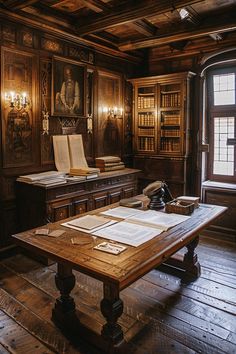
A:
{"points": [[18, 125], [109, 137], [30, 51]]}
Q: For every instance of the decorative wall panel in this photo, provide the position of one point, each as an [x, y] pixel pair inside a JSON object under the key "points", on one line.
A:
{"points": [[17, 123], [109, 126]]}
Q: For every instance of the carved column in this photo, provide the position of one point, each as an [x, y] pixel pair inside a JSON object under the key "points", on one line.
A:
{"points": [[190, 260], [64, 309], [112, 309]]}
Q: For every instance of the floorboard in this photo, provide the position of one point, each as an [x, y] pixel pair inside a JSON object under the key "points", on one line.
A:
{"points": [[162, 314]]}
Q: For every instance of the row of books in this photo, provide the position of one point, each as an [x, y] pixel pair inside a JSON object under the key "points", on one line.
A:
{"points": [[146, 102], [146, 119], [146, 143], [109, 163], [170, 100]]}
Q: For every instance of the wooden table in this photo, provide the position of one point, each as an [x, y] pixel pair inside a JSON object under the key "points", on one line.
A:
{"points": [[115, 271]]}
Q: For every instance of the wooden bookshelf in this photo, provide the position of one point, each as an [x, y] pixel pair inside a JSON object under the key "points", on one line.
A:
{"points": [[161, 127]]}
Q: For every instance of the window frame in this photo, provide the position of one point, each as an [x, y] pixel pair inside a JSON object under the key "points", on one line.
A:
{"points": [[218, 111]]}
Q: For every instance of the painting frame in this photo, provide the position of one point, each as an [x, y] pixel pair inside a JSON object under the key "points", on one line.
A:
{"points": [[68, 88]]}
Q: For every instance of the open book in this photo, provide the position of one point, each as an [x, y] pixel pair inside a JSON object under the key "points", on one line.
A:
{"points": [[150, 218], [69, 155]]}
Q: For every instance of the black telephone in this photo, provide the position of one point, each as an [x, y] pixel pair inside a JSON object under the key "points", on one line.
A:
{"points": [[159, 194]]}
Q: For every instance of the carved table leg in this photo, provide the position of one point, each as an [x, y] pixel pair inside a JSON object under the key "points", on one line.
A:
{"points": [[112, 309], [190, 260], [64, 313]]}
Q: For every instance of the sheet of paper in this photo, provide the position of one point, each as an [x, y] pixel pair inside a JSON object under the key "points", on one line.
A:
{"points": [[128, 233], [56, 233], [66, 224], [109, 247], [122, 212], [158, 219], [61, 153], [89, 222], [76, 150]]}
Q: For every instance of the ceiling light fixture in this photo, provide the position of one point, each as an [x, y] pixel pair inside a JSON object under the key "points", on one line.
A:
{"points": [[188, 15]]}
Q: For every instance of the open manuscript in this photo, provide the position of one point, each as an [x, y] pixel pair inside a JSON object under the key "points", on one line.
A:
{"points": [[129, 226], [69, 155]]}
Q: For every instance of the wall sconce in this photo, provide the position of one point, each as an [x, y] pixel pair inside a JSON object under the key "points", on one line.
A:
{"points": [[113, 112], [16, 100]]}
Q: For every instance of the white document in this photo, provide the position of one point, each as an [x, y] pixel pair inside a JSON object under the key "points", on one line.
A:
{"points": [[88, 231], [69, 152], [158, 219], [76, 150], [61, 153], [128, 233], [89, 222], [122, 212]]}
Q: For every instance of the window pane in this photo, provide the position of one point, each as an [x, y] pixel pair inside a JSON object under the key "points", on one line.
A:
{"points": [[224, 89], [223, 163]]}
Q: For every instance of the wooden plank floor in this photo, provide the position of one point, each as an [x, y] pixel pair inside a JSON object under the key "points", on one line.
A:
{"points": [[162, 315]]}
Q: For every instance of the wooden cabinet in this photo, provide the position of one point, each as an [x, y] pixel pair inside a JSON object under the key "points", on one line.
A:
{"points": [[222, 194], [162, 122], [39, 205]]}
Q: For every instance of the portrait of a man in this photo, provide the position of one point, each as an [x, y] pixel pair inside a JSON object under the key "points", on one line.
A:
{"points": [[68, 88]]}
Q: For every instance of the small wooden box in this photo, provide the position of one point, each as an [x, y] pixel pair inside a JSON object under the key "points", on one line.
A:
{"points": [[179, 207]]}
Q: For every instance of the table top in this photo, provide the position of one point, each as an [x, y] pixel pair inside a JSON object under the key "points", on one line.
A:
{"points": [[122, 269]]}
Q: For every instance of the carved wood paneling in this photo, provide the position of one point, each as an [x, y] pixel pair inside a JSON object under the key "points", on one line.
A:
{"points": [[52, 45], [18, 131], [109, 137], [9, 33]]}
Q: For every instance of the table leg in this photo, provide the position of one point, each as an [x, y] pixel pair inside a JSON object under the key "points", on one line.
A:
{"points": [[190, 260], [64, 310], [112, 309]]}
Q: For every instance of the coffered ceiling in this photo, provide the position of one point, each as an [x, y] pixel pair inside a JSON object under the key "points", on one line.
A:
{"points": [[131, 26]]}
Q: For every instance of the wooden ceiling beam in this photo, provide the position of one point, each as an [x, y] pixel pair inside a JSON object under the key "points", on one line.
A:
{"points": [[61, 32], [163, 38], [96, 5], [18, 5], [144, 27], [127, 13]]}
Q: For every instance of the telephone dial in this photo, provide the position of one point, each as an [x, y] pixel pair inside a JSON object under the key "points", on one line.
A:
{"points": [[159, 194]]}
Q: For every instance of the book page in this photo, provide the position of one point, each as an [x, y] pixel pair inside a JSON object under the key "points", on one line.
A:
{"points": [[61, 153], [76, 151], [128, 233], [89, 222], [158, 219], [88, 231], [122, 212]]}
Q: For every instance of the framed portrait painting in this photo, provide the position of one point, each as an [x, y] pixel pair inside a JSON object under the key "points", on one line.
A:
{"points": [[68, 88]]}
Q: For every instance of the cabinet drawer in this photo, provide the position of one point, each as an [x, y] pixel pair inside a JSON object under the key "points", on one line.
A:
{"points": [[99, 200], [129, 191], [81, 206], [59, 211], [115, 196]]}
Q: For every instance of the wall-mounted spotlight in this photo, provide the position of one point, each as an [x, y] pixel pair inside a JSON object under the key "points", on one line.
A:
{"points": [[188, 15]]}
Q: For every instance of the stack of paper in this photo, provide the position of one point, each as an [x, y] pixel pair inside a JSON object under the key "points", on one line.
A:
{"points": [[43, 177], [89, 223]]}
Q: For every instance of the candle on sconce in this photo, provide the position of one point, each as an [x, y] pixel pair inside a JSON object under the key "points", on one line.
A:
{"points": [[24, 98], [12, 97]]}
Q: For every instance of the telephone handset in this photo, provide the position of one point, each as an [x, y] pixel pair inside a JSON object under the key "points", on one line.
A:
{"points": [[159, 194]]}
